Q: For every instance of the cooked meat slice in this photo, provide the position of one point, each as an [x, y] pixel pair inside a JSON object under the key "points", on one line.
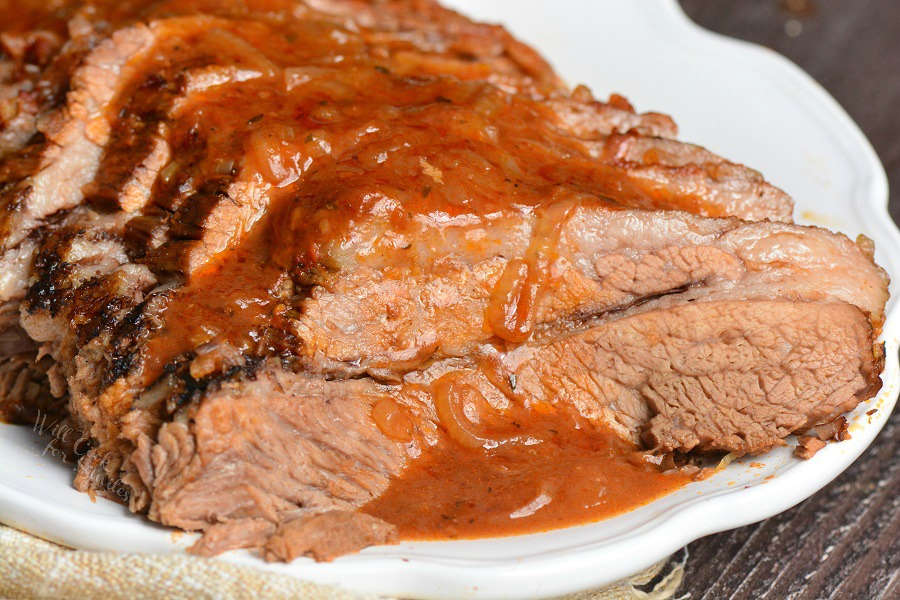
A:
{"points": [[808, 446], [71, 229], [98, 315], [224, 459], [231, 535], [730, 189], [721, 375], [588, 119], [444, 42], [73, 138], [729, 376], [201, 223], [58, 137], [125, 185], [397, 320], [325, 536], [154, 118]]}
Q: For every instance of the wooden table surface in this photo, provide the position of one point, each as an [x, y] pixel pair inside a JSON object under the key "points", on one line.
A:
{"points": [[844, 542]]}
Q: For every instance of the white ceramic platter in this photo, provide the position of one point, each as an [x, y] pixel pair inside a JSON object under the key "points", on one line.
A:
{"points": [[739, 100]]}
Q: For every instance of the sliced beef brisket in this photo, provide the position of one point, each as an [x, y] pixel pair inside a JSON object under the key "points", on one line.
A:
{"points": [[270, 253]]}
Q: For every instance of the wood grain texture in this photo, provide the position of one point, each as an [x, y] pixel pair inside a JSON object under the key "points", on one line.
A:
{"points": [[844, 542]]}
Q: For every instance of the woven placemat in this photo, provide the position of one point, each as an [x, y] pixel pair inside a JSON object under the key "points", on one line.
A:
{"points": [[33, 568]]}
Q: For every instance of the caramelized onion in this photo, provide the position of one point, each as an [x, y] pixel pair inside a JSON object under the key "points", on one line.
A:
{"points": [[459, 406], [509, 313], [393, 420]]}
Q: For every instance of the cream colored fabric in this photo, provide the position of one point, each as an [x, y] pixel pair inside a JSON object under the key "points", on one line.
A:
{"points": [[31, 568]]}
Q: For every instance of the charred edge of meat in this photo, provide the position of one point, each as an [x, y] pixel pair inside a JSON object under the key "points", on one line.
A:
{"points": [[156, 238], [47, 293], [51, 292], [176, 388], [103, 308], [133, 131], [124, 355], [17, 201], [180, 188], [16, 167], [99, 472]]}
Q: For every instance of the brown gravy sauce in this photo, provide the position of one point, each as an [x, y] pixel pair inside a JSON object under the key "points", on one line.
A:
{"points": [[571, 477], [510, 466]]}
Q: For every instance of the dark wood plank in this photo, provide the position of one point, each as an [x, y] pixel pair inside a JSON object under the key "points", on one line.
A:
{"points": [[844, 542], [851, 48]]}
